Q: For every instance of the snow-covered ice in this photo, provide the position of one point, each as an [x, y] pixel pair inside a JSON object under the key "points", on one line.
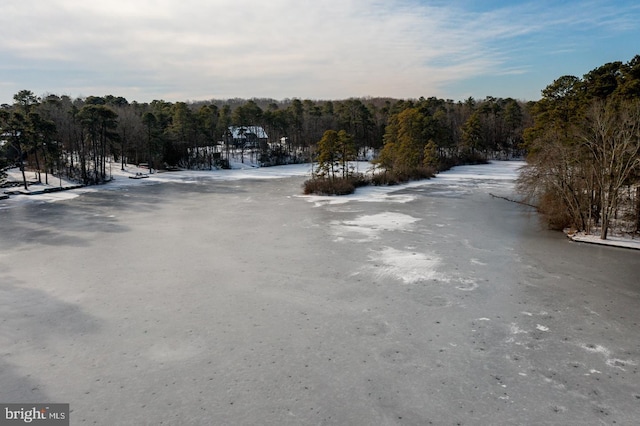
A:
{"points": [[226, 297], [405, 265]]}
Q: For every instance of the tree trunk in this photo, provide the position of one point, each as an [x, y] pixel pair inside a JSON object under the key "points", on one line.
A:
{"points": [[122, 144], [638, 209], [24, 177], [605, 226], [35, 153]]}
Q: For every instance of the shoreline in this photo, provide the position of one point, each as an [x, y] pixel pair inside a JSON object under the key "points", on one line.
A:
{"points": [[611, 241], [67, 189]]}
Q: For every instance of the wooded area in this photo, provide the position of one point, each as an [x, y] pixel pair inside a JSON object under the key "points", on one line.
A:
{"points": [[583, 167], [78, 137]]}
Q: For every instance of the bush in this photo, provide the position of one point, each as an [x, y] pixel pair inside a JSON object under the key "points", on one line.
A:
{"points": [[323, 186], [391, 177], [359, 180], [384, 178], [555, 212]]}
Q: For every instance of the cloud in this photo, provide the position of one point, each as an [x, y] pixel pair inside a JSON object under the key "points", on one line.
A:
{"points": [[197, 49]]}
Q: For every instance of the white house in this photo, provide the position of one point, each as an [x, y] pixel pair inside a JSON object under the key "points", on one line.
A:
{"points": [[248, 136]]}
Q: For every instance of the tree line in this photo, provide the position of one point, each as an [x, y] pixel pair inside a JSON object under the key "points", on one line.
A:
{"points": [[583, 163], [422, 137], [83, 138]]}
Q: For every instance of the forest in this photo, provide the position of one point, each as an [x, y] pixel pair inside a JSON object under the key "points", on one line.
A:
{"points": [[580, 140], [55, 134]]}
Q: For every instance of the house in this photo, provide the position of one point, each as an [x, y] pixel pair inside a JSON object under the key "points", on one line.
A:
{"points": [[247, 136]]}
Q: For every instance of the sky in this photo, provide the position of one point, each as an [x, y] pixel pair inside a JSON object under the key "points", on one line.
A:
{"points": [[188, 50]]}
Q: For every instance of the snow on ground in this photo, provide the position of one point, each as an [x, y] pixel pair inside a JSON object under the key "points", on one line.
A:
{"points": [[610, 241]]}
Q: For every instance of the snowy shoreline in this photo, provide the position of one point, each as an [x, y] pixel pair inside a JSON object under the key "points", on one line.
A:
{"points": [[62, 189], [613, 241]]}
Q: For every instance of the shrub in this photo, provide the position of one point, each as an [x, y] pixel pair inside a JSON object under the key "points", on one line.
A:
{"points": [[555, 212], [391, 177], [325, 186]]}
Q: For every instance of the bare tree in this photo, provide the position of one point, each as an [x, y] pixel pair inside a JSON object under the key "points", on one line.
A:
{"points": [[612, 136], [555, 180]]}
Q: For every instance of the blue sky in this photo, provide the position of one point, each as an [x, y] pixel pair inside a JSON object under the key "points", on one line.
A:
{"points": [[180, 50]]}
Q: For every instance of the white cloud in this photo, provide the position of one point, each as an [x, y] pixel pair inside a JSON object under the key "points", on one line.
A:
{"points": [[195, 49]]}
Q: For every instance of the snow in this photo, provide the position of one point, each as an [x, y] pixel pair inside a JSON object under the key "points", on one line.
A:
{"points": [[370, 226], [458, 181], [408, 266], [266, 342], [495, 170], [120, 179], [606, 353], [615, 241]]}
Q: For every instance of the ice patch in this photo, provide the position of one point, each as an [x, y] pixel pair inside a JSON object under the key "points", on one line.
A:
{"points": [[597, 349], [373, 194], [477, 262], [468, 284], [388, 221], [343, 230], [516, 330], [592, 312], [462, 174], [50, 197], [370, 226], [451, 194], [406, 266], [611, 362], [619, 363], [541, 327], [172, 352]]}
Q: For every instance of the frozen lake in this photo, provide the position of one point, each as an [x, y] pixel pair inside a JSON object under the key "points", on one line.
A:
{"points": [[210, 301]]}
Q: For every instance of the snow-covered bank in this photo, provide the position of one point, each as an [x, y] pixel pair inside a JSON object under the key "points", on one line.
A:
{"points": [[130, 176], [615, 241]]}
